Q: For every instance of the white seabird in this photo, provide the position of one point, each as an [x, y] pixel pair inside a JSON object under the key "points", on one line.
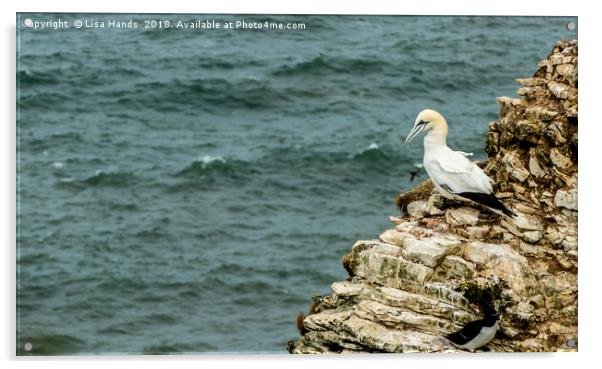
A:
{"points": [[453, 175], [475, 334]]}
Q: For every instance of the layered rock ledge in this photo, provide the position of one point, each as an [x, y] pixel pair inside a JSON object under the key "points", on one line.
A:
{"points": [[436, 270]]}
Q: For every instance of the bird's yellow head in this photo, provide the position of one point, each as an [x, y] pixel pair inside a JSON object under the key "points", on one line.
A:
{"points": [[428, 120]]}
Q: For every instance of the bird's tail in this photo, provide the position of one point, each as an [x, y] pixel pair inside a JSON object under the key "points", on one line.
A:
{"points": [[489, 201]]}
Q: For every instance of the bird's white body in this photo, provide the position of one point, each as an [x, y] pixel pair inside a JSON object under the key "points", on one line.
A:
{"points": [[485, 336], [450, 171]]}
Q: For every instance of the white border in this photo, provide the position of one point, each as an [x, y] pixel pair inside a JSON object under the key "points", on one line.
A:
{"points": [[432, 7], [589, 241]]}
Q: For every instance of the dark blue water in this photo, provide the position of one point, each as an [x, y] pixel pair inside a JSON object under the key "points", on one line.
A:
{"points": [[188, 191]]}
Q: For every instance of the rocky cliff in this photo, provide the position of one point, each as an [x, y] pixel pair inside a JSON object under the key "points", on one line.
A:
{"points": [[436, 270]]}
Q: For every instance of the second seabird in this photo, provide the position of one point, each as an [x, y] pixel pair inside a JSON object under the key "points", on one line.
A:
{"points": [[453, 175], [475, 334]]}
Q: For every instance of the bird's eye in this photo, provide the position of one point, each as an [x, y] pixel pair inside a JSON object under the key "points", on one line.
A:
{"points": [[422, 123]]}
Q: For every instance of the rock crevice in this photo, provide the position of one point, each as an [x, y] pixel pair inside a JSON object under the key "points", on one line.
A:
{"points": [[437, 270]]}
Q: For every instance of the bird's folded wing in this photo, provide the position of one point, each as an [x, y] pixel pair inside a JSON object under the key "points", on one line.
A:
{"points": [[454, 162], [459, 174]]}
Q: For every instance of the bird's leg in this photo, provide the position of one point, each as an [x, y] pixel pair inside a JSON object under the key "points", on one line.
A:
{"points": [[445, 203]]}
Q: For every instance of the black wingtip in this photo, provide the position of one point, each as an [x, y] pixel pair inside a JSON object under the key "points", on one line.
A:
{"points": [[488, 200]]}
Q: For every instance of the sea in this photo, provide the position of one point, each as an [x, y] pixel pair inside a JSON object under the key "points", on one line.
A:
{"points": [[186, 188]]}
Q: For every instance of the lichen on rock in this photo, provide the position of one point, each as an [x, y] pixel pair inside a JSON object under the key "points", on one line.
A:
{"points": [[436, 270]]}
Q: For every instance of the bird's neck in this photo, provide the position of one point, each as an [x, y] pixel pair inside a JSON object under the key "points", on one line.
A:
{"points": [[435, 139]]}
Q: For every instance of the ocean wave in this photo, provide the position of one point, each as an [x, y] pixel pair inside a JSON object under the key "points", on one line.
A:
{"points": [[44, 100], [222, 96], [242, 285], [207, 164], [154, 234], [130, 206], [116, 282], [26, 78], [69, 183], [123, 71], [372, 154], [52, 141], [211, 95], [213, 172], [161, 318], [286, 159], [321, 65], [115, 330], [226, 64], [65, 137], [248, 273], [110, 179], [409, 44], [37, 257], [340, 106]]}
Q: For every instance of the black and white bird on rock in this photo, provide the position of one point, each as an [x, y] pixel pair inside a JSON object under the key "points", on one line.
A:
{"points": [[475, 334]]}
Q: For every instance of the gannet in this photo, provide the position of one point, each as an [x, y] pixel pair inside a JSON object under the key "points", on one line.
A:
{"points": [[453, 175], [475, 334]]}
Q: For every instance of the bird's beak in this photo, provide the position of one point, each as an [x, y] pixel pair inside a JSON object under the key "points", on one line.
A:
{"points": [[414, 132]]}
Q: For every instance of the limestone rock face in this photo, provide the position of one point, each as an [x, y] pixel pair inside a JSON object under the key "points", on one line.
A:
{"points": [[437, 270]]}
